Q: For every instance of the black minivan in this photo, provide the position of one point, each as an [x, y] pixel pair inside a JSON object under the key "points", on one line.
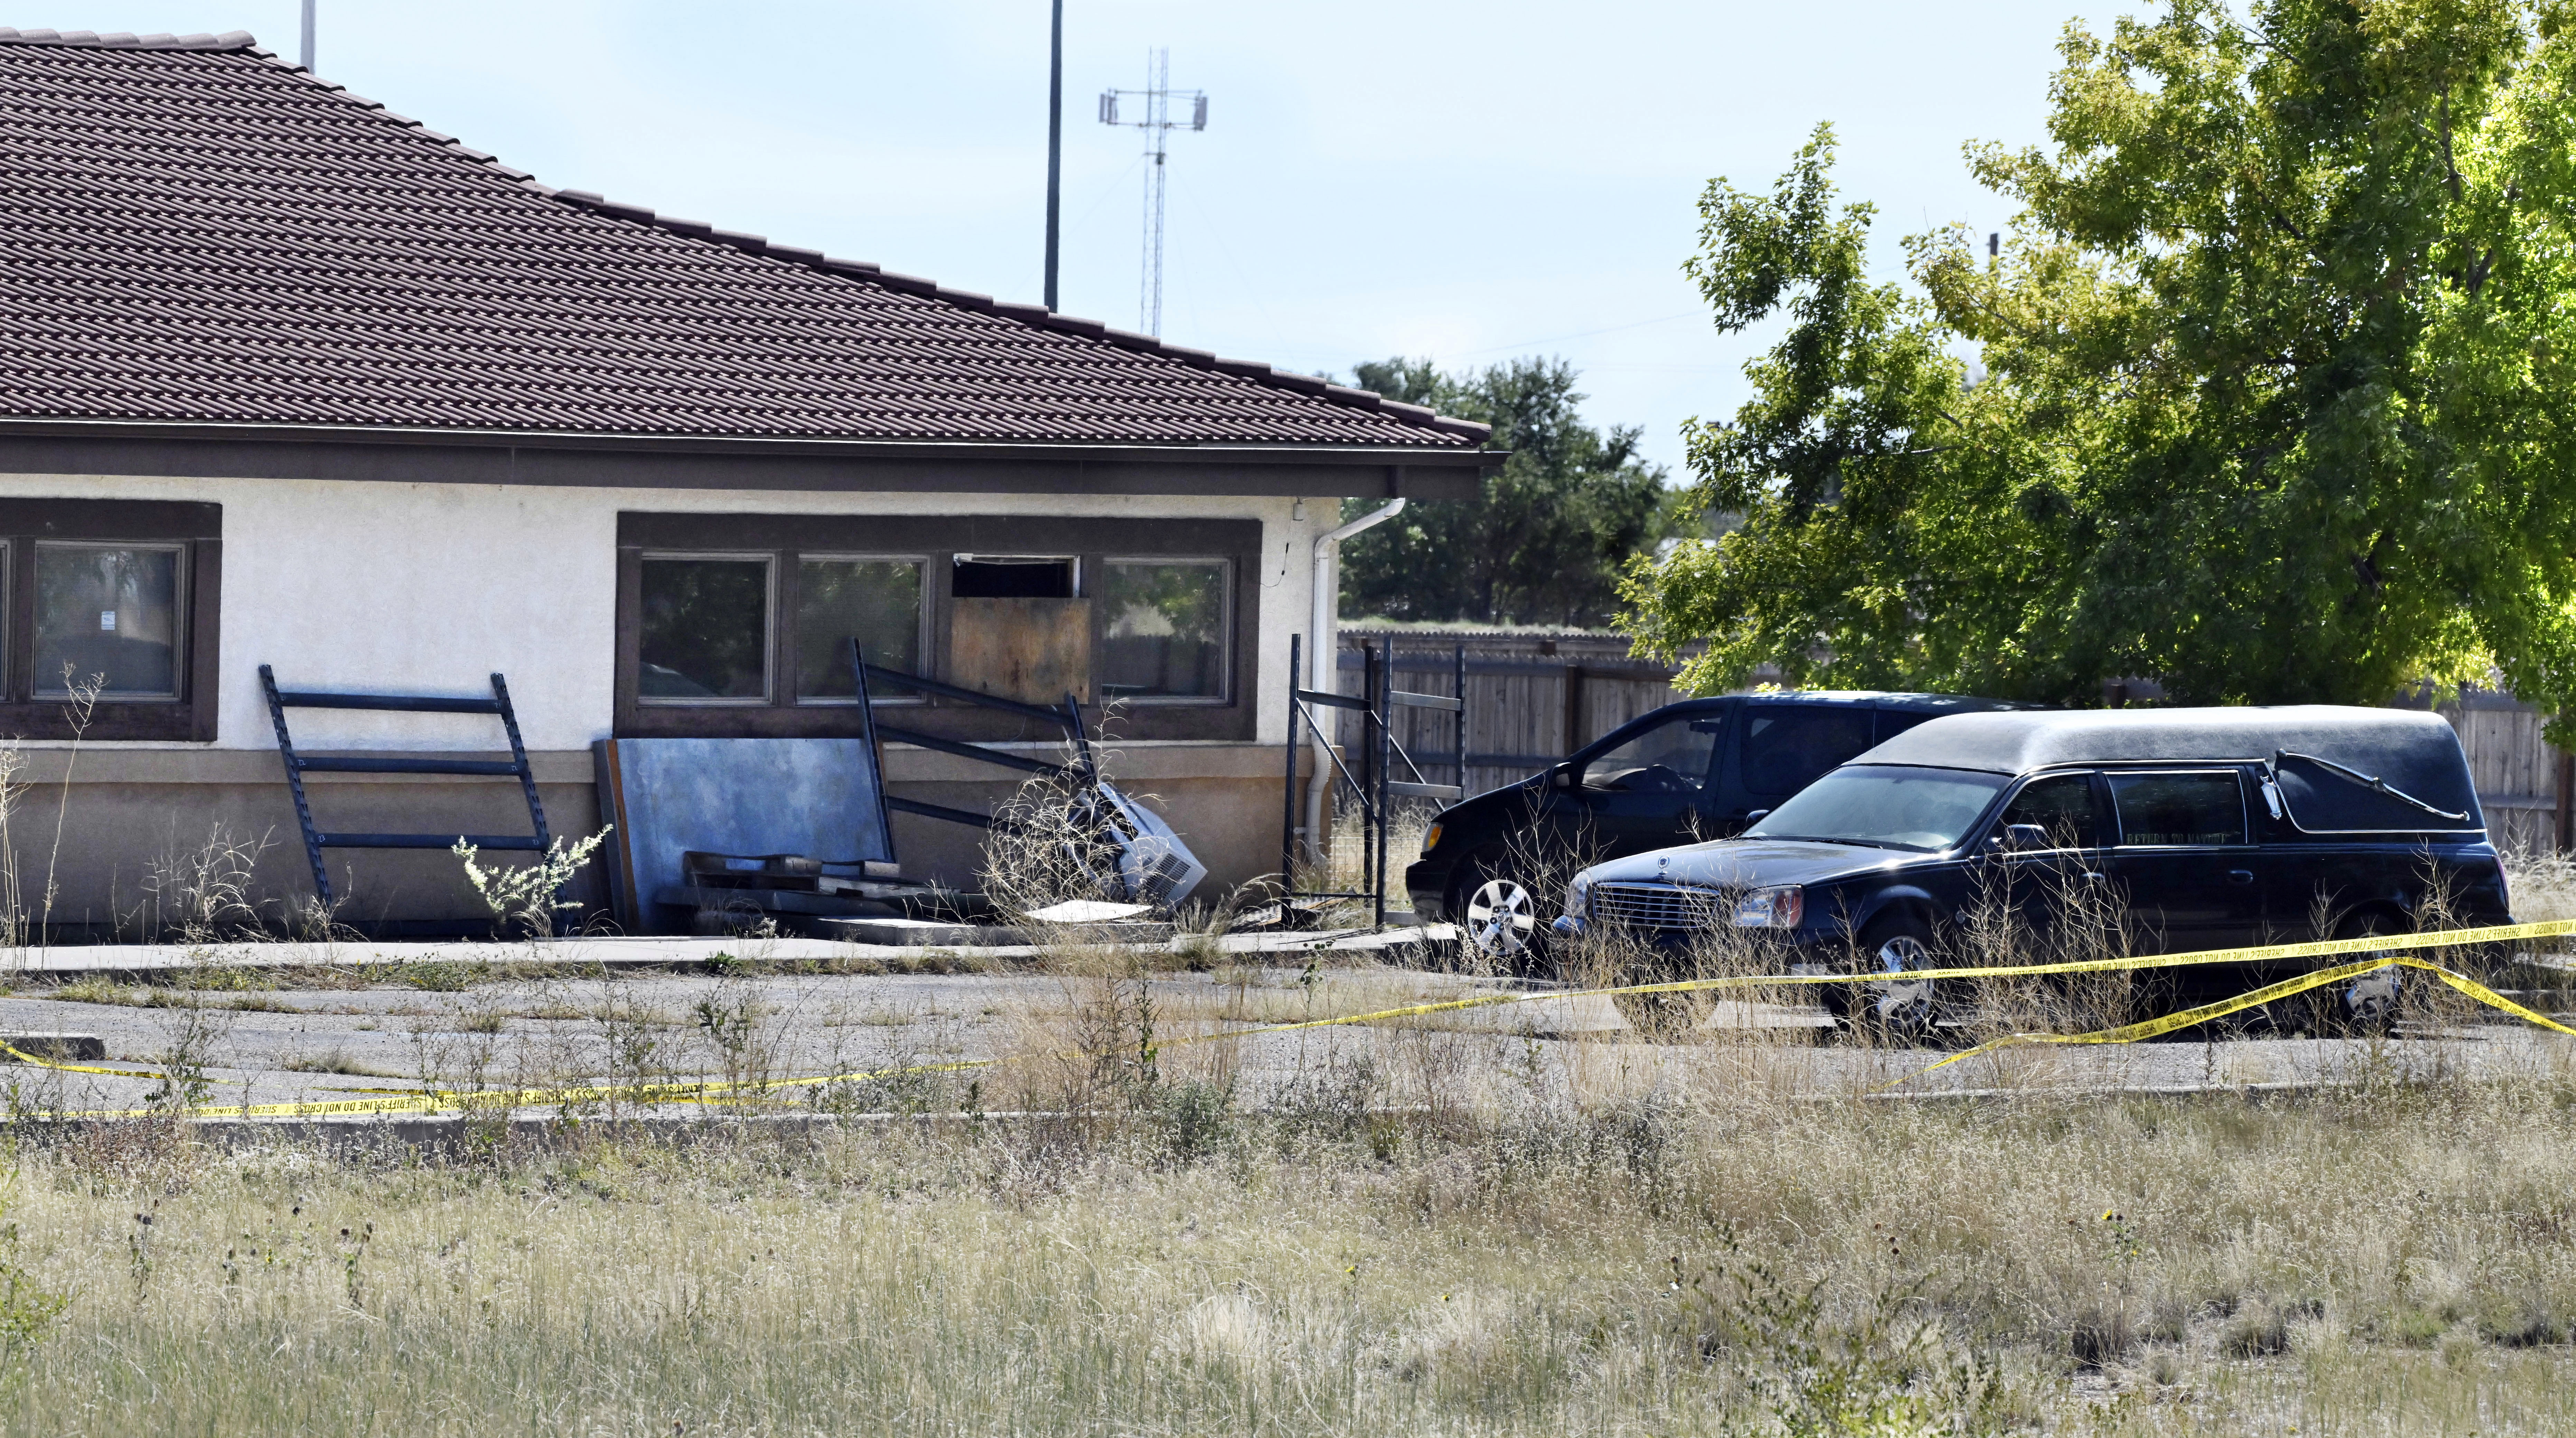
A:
{"points": [[2203, 828], [1699, 769]]}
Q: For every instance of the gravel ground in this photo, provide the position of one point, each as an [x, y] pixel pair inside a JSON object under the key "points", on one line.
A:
{"points": [[374, 1030]]}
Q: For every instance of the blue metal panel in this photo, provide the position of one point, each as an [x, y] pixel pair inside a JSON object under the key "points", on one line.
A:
{"points": [[817, 797]]}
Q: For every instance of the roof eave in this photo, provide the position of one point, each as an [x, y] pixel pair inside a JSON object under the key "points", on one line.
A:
{"points": [[1437, 456], [87, 447]]}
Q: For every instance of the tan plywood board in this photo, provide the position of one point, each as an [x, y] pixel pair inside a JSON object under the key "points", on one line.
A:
{"points": [[1032, 650]]}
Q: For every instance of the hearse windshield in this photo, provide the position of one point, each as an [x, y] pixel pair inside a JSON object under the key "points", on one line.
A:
{"points": [[1888, 806]]}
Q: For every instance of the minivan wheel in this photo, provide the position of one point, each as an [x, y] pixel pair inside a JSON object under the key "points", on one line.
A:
{"points": [[1898, 1012], [1497, 919]]}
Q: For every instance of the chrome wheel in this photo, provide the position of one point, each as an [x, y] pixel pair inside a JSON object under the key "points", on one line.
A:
{"points": [[2370, 1002], [1501, 918], [1903, 1008]]}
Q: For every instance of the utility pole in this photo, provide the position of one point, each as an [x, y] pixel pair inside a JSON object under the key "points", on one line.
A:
{"points": [[1158, 124], [1055, 141], [308, 36]]}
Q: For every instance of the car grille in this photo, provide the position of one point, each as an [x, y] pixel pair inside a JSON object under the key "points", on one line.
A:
{"points": [[1665, 907]]}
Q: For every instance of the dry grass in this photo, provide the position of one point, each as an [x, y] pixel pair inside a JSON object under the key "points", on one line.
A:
{"points": [[2393, 1260], [1433, 1226], [2544, 886]]}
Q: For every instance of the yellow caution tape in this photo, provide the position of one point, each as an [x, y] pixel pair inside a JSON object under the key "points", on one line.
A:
{"points": [[2155, 1028], [433, 1101]]}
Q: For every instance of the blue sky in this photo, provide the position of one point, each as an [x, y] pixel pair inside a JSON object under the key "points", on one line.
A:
{"points": [[1467, 182]]}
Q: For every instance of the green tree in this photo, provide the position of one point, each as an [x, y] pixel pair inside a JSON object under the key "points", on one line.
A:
{"points": [[2274, 404], [1546, 541]]}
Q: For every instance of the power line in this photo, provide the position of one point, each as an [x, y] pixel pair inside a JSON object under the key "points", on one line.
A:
{"points": [[1158, 124]]}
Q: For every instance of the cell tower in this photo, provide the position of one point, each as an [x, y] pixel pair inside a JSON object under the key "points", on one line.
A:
{"points": [[1158, 124]]}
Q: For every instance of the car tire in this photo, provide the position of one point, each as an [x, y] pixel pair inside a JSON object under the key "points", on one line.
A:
{"points": [[1899, 1014], [1500, 919], [2368, 1004]]}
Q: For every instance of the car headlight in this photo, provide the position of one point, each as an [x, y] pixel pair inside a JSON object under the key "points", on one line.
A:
{"points": [[1578, 895], [1430, 840], [1779, 908]]}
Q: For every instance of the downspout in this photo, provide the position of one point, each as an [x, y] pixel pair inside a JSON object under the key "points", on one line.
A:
{"points": [[1325, 674]]}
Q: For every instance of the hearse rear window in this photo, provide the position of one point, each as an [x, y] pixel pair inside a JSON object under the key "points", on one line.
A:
{"points": [[2205, 808]]}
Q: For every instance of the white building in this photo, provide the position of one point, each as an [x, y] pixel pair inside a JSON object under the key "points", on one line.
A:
{"points": [[288, 380]]}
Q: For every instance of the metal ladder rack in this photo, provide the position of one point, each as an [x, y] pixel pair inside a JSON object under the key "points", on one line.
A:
{"points": [[297, 766], [1082, 772], [1376, 792]]}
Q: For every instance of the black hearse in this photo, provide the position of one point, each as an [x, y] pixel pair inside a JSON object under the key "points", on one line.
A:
{"points": [[1699, 769], [2210, 827]]}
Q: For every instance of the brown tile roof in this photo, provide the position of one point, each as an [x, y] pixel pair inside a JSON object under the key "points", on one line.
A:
{"points": [[194, 231]]}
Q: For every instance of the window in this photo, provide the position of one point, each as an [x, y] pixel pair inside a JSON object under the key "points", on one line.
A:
{"points": [[1885, 805], [120, 595], [1163, 630], [1786, 746], [740, 625], [1014, 576], [1671, 758], [875, 601], [108, 615], [2179, 808], [2062, 805], [705, 630]]}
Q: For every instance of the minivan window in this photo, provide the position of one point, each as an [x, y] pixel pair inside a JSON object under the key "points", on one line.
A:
{"points": [[1787, 745], [2207, 808], [1672, 757], [1890, 806], [2062, 804]]}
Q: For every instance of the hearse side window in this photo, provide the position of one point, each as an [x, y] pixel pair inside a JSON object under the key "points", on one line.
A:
{"points": [[1787, 745], [2204, 808], [1672, 757], [2062, 804]]}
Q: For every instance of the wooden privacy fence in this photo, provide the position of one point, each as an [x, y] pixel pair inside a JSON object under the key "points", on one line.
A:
{"points": [[2522, 782], [1532, 699]]}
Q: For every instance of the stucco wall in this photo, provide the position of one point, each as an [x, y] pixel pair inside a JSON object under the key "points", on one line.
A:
{"points": [[430, 588]]}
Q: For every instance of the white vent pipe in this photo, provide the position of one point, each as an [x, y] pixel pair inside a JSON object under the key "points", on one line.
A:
{"points": [[1323, 671]]}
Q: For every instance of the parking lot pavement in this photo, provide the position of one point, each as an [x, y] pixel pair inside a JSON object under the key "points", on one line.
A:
{"points": [[316, 1044], [144, 963]]}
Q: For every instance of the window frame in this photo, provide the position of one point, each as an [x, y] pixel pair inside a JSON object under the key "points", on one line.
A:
{"points": [[1074, 570], [1740, 757], [769, 630], [38, 693], [2106, 818], [1087, 539], [921, 620], [1707, 781], [1225, 626], [193, 528]]}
